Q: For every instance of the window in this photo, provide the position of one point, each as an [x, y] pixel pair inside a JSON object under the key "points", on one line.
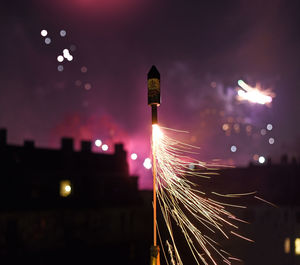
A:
{"points": [[287, 245], [297, 246], [65, 188]]}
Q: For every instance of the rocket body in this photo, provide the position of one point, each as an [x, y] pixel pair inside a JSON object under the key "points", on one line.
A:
{"points": [[153, 83]]}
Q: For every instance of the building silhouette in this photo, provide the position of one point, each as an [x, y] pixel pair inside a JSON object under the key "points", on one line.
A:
{"points": [[62, 205], [65, 206]]}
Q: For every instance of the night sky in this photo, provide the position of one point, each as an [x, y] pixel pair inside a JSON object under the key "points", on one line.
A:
{"points": [[201, 48]]}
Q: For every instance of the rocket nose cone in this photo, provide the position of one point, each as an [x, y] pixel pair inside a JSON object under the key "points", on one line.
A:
{"points": [[153, 73]]}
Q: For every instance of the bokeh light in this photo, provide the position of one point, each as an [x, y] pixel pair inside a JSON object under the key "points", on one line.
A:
{"points": [[236, 127], [60, 68], [133, 156], [83, 69], [70, 58], [62, 33], [233, 148], [66, 53], [263, 131], [60, 58], [147, 163], [78, 83], [44, 33], [47, 40], [225, 127], [98, 142], [87, 86], [269, 127], [271, 140], [261, 159], [72, 48], [105, 147]]}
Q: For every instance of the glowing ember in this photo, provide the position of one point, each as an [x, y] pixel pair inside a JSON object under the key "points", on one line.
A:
{"points": [[254, 94]]}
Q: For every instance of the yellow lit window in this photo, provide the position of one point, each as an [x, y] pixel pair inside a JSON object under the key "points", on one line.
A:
{"points": [[65, 188], [287, 245], [297, 246]]}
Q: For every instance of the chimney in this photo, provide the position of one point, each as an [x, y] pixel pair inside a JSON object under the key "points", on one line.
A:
{"points": [[67, 144], [119, 149], [86, 146], [121, 156], [3, 137], [29, 144]]}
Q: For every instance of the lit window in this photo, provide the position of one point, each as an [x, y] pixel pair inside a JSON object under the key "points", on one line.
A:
{"points": [[297, 246], [287, 245], [65, 188]]}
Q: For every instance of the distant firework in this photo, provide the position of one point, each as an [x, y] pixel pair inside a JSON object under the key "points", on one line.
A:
{"points": [[254, 94]]}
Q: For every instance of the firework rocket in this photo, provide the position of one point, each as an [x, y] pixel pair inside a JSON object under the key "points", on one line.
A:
{"points": [[153, 83]]}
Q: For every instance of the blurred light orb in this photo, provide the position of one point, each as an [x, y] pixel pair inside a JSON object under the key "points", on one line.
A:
{"points": [[133, 156], [236, 127], [213, 84], [44, 33], [263, 131], [66, 53], [271, 140], [60, 68], [261, 159], [62, 33], [233, 148], [98, 142], [73, 48], [105, 147], [67, 188], [269, 127], [47, 40], [225, 127], [248, 128], [87, 86], [70, 58], [255, 157], [83, 69], [78, 83], [147, 163], [60, 58]]}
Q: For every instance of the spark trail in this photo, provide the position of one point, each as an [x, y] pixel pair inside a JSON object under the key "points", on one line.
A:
{"points": [[182, 203]]}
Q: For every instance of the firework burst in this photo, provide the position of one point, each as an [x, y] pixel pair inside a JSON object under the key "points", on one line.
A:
{"points": [[254, 94], [182, 203]]}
